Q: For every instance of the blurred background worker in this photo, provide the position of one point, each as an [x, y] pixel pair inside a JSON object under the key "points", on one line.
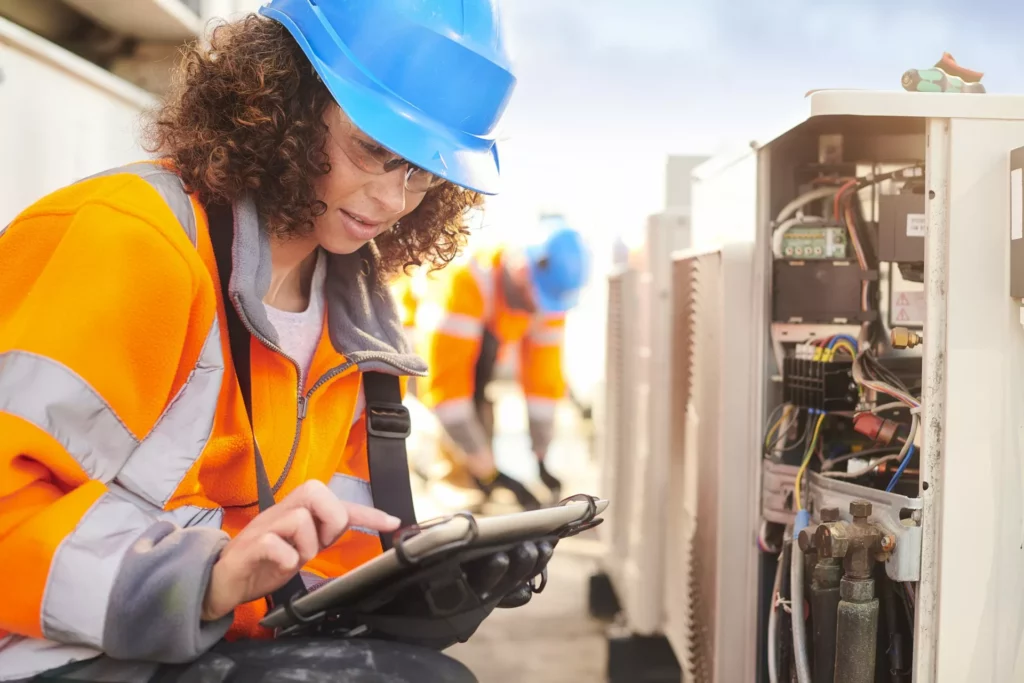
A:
{"points": [[493, 299]]}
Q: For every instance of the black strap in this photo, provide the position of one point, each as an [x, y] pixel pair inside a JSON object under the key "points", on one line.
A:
{"points": [[387, 425], [222, 228]]}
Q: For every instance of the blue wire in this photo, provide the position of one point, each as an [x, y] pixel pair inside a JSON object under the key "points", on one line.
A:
{"points": [[841, 337], [899, 471]]}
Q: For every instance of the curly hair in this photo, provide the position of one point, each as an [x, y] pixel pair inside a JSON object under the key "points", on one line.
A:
{"points": [[246, 115]]}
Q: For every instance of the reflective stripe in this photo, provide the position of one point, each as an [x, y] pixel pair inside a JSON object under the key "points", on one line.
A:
{"points": [[548, 336], [455, 410], [22, 658], [58, 401], [538, 408], [461, 325], [185, 516], [178, 438], [168, 185], [353, 490], [89, 556]]}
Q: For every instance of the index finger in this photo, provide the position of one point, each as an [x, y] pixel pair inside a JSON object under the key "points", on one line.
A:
{"points": [[371, 518], [333, 515]]}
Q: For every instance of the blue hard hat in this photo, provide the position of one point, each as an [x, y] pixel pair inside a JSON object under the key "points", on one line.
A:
{"points": [[559, 265], [428, 79]]}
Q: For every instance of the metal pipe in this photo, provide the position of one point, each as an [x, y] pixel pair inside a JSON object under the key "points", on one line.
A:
{"points": [[824, 607], [856, 631]]}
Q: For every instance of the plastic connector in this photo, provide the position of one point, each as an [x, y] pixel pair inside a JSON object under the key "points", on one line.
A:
{"points": [[803, 519]]}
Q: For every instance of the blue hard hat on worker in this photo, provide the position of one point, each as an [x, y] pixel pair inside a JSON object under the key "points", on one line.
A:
{"points": [[558, 264], [427, 79]]}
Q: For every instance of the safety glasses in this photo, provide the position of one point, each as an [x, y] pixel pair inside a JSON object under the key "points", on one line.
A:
{"points": [[373, 158]]}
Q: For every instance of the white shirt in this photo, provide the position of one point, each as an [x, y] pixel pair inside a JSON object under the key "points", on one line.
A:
{"points": [[298, 334]]}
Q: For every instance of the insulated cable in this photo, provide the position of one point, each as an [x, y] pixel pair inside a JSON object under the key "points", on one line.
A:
{"points": [[807, 460], [907, 452], [796, 597], [773, 612]]}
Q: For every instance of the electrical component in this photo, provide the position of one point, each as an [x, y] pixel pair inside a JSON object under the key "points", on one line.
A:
{"points": [[821, 291], [901, 227], [815, 241], [819, 385]]}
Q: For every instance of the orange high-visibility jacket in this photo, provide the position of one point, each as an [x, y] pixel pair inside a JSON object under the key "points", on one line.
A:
{"points": [[126, 457], [451, 309]]}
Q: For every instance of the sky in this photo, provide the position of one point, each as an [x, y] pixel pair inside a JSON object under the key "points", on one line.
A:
{"points": [[608, 88]]}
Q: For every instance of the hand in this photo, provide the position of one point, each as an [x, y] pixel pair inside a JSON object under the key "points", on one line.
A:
{"points": [[275, 545], [510, 575]]}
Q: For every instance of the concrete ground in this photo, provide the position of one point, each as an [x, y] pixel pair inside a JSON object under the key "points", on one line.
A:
{"points": [[552, 638]]}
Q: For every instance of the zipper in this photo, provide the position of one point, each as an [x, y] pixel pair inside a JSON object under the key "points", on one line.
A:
{"points": [[302, 400]]}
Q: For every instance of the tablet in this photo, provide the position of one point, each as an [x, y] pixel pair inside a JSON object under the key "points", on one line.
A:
{"points": [[460, 533]]}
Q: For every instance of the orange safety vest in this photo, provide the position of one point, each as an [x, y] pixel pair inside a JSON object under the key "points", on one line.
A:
{"points": [[451, 310], [126, 447]]}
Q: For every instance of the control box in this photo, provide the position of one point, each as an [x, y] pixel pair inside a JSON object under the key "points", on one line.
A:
{"points": [[901, 227]]}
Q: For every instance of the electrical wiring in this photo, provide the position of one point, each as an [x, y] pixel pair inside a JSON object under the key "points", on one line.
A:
{"points": [[807, 460], [867, 469], [883, 387], [773, 613], [786, 409], [802, 201], [796, 596], [906, 453], [762, 539], [868, 453]]}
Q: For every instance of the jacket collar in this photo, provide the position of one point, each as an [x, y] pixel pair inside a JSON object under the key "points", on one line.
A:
{"points": [[361, 317]]}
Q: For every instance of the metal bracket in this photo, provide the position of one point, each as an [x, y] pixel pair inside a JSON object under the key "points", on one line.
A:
{"points": [[777, 485], [899, 516]]}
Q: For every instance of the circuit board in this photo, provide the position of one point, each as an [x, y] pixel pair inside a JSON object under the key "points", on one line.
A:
{"points": [[815, 242]]}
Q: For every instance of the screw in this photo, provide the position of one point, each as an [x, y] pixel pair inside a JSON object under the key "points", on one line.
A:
{"points": [[860, 509], [830, 514], [888, 543]]}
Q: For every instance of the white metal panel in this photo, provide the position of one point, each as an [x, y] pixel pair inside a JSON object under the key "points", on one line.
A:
{"points": [[724, 201], [617, 434], [980, 487], [914, 104], [62, 119], [161, 20], [644, 563]]}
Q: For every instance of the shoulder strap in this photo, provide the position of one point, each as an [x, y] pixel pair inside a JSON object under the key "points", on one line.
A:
{"points": [[222, 229], [387, 425]]}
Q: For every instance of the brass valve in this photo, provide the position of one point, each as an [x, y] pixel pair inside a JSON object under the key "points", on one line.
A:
{"points": [[902, 338]]}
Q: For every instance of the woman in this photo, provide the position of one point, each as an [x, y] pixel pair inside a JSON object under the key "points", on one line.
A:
{"points": [[330, 144]]}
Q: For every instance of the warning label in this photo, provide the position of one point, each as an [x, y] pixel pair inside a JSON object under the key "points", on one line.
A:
{"points": [[908, 307]]}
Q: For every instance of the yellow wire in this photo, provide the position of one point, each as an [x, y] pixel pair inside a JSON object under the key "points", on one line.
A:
{"points": [[784, 416], [841, 345], [807, 460]]}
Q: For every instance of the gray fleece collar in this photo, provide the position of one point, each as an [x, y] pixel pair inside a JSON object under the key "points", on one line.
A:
{"points": [[361, 316]]}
